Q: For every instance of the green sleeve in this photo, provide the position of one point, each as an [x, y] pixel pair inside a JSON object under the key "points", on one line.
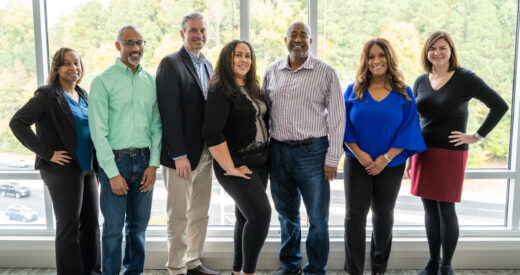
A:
{"points": [[98, 124], [156, 134]]}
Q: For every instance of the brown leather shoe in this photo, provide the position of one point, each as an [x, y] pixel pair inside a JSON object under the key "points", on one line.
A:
{"points": [[202, 270]]}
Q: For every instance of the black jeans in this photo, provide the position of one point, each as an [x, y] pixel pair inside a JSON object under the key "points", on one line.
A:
{"points": [[252, 211], [76, 207], [363, 192]]}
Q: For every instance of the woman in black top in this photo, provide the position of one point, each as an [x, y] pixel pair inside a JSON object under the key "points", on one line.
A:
{"points": [[437, 174], [65, 158], [235, 130]]}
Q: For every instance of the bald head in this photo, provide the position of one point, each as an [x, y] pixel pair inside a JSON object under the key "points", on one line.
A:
{"points": [[298, 23]]}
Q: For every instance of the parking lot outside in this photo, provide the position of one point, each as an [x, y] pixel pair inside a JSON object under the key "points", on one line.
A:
{"points": [[483, 204]]}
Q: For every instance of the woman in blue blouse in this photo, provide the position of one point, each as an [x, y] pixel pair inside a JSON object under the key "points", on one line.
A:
{"points": [[381, 132], [65, 158]]}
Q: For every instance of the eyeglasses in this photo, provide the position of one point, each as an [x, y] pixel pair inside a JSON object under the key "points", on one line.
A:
{"points": [[131, 43]]}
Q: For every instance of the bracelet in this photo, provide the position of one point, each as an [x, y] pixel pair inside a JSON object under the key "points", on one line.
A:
{"points": [[479, 137], [388, 160]]}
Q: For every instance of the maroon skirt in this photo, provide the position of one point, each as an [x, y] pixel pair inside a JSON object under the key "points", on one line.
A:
{"points": [[438, 174]]}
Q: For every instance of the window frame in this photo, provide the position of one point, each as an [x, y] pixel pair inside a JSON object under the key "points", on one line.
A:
{"points": [[512, 228]]}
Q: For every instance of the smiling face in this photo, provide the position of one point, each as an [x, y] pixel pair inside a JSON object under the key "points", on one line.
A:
{"points": [[241, 62], [298, 41], [130, 56], [377, 61], [439, 53], [194, 36], [70, 71]]}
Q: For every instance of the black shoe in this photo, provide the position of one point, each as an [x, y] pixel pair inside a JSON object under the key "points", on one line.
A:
{"points": [[202, 270], [282, 271], [446, 270], [432, 268]]}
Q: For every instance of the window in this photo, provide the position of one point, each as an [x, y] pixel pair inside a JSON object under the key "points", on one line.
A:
{"points": [[484, 32], [269, 22], [17, 78], [484, 35]]}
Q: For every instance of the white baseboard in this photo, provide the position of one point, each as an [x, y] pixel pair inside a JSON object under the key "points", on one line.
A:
{"points": [[407, 253]]}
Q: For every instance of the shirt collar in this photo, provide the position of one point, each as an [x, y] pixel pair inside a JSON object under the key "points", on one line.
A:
{"points": [[308, 64], [200, 59], [125, 68]]}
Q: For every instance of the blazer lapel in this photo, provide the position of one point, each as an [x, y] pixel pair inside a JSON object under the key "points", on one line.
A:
{"points": [[191, 68], [209, 69], [64, 105]]}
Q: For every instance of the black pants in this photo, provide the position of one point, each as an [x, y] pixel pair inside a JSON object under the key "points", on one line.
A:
{"points": [[76, 207], [363, 192], [252, 212], [442, 229]]}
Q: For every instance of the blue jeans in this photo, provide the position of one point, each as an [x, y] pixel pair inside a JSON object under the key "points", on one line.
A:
{"points": [[297, 172], [131, 211]]}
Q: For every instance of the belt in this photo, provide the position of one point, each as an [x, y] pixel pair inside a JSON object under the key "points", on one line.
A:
{"points": [[132, 152], [295, 143]]}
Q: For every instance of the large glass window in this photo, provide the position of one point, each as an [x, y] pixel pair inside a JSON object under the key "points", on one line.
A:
{"points": [[21, 201], [484, 33], [90, 28], [17, 77], [269, 22]]}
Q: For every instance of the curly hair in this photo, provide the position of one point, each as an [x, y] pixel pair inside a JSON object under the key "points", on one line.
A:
{"points": [[223, 78], [394, 75]]}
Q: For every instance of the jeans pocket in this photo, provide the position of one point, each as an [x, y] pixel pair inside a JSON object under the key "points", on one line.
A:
{"points": [[316, 148]]}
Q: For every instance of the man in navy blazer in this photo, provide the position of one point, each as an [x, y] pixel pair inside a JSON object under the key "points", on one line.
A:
{"points": [[182, 82]]}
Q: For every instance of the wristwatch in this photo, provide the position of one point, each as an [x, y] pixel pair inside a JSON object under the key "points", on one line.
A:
{"points": [[479, 137]]}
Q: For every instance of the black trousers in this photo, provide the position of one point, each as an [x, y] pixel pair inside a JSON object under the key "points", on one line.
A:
{"points": [[442, 229], [76, 207], [252, 212], [364, 192]]}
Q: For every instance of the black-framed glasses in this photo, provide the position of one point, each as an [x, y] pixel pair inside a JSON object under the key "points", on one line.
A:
{"points": [[131, 43]]}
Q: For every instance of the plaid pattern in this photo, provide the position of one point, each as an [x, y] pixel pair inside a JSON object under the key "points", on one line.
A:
{"points": [[305, 103], [199, 63]]}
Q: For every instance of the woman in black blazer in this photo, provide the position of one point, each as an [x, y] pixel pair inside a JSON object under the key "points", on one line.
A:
{"points": [[65, 158]]}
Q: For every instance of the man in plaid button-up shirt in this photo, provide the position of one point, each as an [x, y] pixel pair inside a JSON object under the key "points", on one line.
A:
{"points": [[307, 126]]}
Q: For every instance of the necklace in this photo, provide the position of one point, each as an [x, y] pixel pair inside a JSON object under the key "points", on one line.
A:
{"points": [[74, 95]]}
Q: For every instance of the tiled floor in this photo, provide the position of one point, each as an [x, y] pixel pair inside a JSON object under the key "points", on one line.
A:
{"points": [[27, 271]]}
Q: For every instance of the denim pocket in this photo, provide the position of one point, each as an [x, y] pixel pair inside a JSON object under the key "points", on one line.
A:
{"points": [[317, 147]]}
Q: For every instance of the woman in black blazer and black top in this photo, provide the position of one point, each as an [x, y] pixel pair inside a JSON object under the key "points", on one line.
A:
{"points": [[65, 158], [235, 130]]}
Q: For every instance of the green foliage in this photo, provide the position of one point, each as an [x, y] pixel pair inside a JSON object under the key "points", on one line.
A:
{"points": [[484, 32]]}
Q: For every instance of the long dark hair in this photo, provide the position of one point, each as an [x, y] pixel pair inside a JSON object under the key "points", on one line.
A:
{"points": [[394, 75], [223, 78], [57, 61]]}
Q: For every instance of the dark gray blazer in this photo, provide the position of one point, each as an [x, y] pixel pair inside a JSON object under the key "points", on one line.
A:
{"points": [[181, 105]]}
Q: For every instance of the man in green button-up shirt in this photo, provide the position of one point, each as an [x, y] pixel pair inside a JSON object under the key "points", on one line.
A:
{"points": [[126, 130]]}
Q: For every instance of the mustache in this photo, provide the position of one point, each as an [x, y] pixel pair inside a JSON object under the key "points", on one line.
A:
{"points": [[139, 53]]}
